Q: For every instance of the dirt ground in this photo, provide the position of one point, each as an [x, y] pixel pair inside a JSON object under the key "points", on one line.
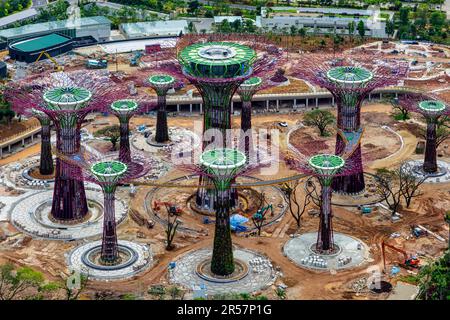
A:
{"points": [[427, 210]]}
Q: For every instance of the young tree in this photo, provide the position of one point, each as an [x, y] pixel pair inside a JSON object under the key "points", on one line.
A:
{"points": [[390, 28], [224, 27], [302, 32], [320, 119], [400, 111], [112, 133], [191, 27], [361, 29], [293, 30], [337, 41], [295, 208], [404, 16], [236, 25], [249, 26], [351, 28], [15, 282], [388, 189], [171, 229], [193, 6], [397, 184], [259, 217], [411, 184]]}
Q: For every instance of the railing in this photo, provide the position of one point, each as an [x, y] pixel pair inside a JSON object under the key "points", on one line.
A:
{"points": [[32, 130]]}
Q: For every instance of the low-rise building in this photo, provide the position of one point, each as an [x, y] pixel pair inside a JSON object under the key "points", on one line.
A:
{"points": [[98, 28], [167, 28], [322, 20]]}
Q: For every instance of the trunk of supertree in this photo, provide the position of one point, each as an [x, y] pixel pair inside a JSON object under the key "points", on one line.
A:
{"points": [[349, 120], [217, 115], [162, 129], [246, 125], [222, 262], [109, 253], [325, 242], [353, 183], [46, 162], [69, 196], [430, 162], [124, 149]]}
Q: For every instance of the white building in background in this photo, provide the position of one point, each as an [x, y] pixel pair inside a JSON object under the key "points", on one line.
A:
{"points": [[167, 28], [230, 19], [322, 20]]}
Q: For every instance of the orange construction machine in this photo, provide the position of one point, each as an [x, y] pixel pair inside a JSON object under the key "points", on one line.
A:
{"points": [[172, 209], [409, 261]]}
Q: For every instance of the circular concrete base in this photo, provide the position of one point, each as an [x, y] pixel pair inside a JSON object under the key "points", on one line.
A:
{"points": [[151, 141], [203, 270], [27, 174], [30, 216], [140, 258], [441, 176], [352, 253], [260, 273]]}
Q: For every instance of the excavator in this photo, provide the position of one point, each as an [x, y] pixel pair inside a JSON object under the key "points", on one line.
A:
{"points": [[409, 262], [57, 66], [172, 209]]}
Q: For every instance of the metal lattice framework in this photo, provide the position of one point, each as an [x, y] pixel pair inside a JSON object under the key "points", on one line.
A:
{"points": [[222, 166], [108, 173], [46, 166], [161, 83], [217, 65], [349, 78], [246, 91], [432, 109], [124, 109], [66, 98], [325, 168]]}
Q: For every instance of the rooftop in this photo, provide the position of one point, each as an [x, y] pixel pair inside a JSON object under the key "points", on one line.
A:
{"points": [[219, 19], [22, 15], [143, 29], [40, 43], [53, 25]]}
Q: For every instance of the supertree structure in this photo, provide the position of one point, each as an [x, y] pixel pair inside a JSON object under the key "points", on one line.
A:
{"points": [[216, 64], [325, 167], [221, 166], [161, 83], [66, 98], [108, 174], [46, 166], [217, 68], [124, 109], [46, 160], [349, 79], [432, 109], [246, 91]]}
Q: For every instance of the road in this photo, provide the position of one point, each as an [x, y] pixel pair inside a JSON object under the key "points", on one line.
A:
{"points": [[231, 5]]}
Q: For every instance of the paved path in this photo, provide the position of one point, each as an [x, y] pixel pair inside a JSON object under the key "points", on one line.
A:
{"points": [[403, 291]]}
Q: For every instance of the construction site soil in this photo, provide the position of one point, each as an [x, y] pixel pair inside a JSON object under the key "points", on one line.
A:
{"points": [[427, 210]]}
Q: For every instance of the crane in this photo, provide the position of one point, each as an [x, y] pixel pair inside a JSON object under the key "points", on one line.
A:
{"points": [[409, 262], [48, 56]]}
